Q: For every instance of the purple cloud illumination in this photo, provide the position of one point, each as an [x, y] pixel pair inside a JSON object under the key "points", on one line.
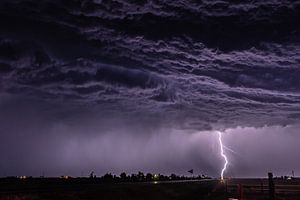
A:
{"points": [[131, 85]]}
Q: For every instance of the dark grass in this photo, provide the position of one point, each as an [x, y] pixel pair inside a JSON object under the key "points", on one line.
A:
{"points": [[84, 188]]}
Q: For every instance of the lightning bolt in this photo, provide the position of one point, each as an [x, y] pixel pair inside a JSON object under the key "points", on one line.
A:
{"points": [[223, 155]]}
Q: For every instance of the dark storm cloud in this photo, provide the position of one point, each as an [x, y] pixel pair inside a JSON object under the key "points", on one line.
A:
{"points": [[142, 66], [239, 84]]}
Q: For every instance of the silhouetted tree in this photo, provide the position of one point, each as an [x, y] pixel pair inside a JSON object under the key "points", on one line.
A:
{"points": [[163, 178], [92, 175], [134, 178], [123, 176], [140, 176], [149, 177], [174, 177]]}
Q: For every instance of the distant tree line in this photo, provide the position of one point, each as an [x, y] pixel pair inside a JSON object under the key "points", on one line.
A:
{"points": [[108, 177], [141, 177]]}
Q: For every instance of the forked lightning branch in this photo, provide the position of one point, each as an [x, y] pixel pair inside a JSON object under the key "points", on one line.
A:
{"points": [[222, 153]]}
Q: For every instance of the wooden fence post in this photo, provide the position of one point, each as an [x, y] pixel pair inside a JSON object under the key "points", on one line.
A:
{"points": [[241, 192]]}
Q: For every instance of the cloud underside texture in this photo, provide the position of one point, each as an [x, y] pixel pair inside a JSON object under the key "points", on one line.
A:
{"points": [[209, 65]]}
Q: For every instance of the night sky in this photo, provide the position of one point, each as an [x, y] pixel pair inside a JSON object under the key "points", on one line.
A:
{"points": [[143, 85]]}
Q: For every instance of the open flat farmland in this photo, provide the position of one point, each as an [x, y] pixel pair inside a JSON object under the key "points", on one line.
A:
{"points": [[75, 189]]}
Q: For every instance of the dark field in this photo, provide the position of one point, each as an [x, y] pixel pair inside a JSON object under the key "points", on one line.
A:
{"points": [[75, 189]]}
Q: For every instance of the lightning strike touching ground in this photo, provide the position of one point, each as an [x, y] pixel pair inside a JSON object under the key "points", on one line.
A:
{"points": [[222, 154]]}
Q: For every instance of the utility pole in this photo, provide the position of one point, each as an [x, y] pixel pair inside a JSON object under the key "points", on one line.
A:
{"points": [[271, 187]]}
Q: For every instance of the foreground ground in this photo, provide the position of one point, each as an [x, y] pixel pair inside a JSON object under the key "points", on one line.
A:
{"points": [[75, 189]]}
